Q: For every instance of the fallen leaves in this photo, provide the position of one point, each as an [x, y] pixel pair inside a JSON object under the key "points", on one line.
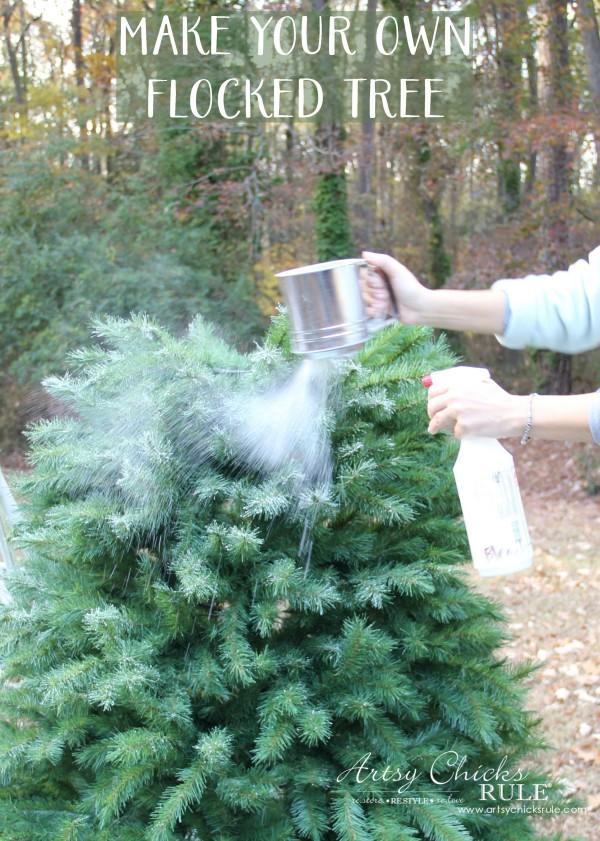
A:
{"points": [[584, 729], [554, 619], [569, 647], [588, 753], [593, 802]]}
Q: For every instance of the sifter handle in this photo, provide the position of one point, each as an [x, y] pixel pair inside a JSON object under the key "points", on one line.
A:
{"points": [[378, 322]]}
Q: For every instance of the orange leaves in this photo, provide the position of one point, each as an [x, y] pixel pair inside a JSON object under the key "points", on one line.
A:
{"points": [[101, 69]]}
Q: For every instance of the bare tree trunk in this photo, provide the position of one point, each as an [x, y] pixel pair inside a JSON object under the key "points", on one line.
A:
{"points": [[288, 155], [105, 159], [509, 54], [78, 43], [555, 91], [555, 94], [590, 37], [77, 36], [532, 84], [381, 159], [12, 52], [591, 44], [367, 145], [23, 44]]}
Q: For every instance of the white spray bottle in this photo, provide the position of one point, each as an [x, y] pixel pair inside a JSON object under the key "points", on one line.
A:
{"points": [[489, 495]]}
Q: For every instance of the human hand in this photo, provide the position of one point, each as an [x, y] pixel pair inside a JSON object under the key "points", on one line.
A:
{"points": [[408, 294], [473, 405]]}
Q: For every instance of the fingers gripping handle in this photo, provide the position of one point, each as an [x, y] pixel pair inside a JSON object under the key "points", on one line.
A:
{"points": [[378, 322]]}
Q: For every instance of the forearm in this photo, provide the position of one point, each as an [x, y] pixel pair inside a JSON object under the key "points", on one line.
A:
{"points": [[553, 418], [480, 311]]}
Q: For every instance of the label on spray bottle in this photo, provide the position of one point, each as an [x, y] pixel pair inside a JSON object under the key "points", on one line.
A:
{"points": [[489, 495], [492, 508]]}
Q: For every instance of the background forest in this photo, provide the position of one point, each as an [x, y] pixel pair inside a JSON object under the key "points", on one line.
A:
{"points": [[106, 217]]}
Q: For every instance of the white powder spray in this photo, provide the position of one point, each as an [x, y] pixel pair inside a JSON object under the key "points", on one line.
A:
{"points": [[285, 427]]}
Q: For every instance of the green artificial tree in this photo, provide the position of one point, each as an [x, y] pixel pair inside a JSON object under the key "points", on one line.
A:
{"points": [[176, 663]]}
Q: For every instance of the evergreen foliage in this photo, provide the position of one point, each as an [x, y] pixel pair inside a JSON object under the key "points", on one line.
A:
{"points": [[440, 267], [509, 184], [176, 667], [73, 247], [332, 223]]}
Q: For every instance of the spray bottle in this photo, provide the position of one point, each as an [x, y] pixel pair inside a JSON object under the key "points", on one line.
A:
{"points": [[489, 495]]}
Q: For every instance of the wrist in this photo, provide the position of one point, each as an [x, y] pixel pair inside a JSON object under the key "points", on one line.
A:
{"points": [[517, 415], [420, 308]]}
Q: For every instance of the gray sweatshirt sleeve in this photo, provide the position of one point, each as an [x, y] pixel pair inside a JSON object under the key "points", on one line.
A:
{"points": [[559, 312]]}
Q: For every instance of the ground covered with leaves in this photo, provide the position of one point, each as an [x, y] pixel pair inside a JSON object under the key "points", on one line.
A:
{"points": [[554, 617]]}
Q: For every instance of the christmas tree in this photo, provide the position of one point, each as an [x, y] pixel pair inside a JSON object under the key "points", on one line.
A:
{"points": [[194, 652]]}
